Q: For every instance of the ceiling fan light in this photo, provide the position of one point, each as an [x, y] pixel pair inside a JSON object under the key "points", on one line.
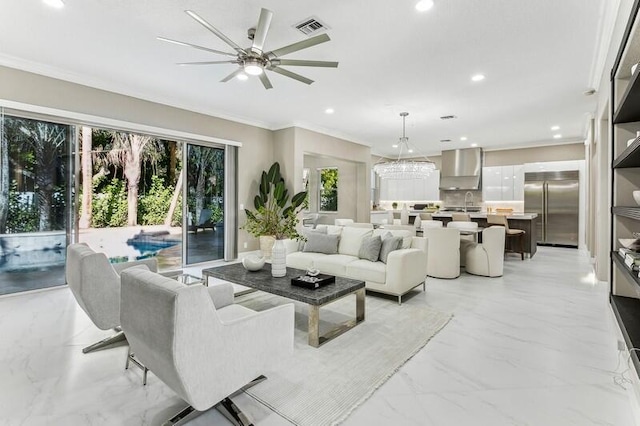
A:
{"points": [[242, 77], [252, 68]]}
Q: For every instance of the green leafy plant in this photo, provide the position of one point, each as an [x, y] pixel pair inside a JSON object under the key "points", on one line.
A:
{"points": [[274, 214], [110, 207]]}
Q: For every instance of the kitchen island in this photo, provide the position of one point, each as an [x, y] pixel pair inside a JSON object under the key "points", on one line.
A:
{"points": [[526, 221]]}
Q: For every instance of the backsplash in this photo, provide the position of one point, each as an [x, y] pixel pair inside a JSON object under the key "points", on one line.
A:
{"points": [[456, 198]]}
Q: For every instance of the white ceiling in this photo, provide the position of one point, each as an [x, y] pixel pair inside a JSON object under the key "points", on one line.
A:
{"points": [[538, 57]]}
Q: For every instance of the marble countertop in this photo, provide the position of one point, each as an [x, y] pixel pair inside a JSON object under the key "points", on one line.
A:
{"points": [[518, 216]]}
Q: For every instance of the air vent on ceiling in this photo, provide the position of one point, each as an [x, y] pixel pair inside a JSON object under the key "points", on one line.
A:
{"points": [[311, 26], [448, 117], [445, 140]]}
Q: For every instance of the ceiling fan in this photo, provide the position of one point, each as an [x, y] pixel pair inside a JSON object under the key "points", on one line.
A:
{"points": [[253, 60]]}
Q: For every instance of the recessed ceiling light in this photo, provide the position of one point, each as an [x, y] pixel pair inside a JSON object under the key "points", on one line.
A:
{"points": [[557, 136], [58, 4], [395, 145], [424, 5], [464, 138], [555, 128], [477, 77], [410, 151], [473, 145], [242, 76], [329, 111]]}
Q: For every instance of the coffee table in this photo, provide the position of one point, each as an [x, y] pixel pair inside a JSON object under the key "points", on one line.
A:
{"points": [[262, 280]]}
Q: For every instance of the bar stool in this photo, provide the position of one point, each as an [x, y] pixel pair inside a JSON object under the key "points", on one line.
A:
{"points": [[511, 234], [460, 217]]}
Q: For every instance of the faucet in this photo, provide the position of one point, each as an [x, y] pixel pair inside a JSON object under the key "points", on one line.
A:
{"points": [[465, 199]]}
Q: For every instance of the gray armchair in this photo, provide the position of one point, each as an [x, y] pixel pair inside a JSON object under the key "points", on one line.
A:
{"points": [[95, 283], [200, 344]]}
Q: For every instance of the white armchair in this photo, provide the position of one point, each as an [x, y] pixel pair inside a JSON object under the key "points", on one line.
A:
{"points": [[95, 283], [425, 224], [487, 259], [443, 252], [200, 344]]}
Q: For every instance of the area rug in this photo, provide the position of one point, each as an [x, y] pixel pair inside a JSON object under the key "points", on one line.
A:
{"points": [[322, 386]]}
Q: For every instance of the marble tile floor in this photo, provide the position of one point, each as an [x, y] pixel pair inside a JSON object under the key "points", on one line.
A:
{"points": [[535, 347]]}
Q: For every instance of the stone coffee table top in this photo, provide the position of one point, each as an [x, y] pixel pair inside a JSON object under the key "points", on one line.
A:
{"points": [[262, 280]]}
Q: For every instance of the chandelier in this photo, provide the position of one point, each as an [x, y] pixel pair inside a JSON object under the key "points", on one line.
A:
{"points": [[404, 169]]}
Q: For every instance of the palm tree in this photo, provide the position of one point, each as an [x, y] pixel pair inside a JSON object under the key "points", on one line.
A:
{"points": [[45, 139], [4, 177], [87, 178], [129, 150]]}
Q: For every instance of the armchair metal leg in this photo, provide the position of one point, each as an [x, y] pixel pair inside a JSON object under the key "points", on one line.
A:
{"points": [[118, 337], [231, 411], [131, 358], [226, 407]]}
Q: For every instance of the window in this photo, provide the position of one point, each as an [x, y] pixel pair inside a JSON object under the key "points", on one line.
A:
{"points": [[328, 189]]}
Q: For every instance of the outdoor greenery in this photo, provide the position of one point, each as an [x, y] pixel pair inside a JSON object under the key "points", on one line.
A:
{"points": [[127, 179], [274, 214], [329, 190]]}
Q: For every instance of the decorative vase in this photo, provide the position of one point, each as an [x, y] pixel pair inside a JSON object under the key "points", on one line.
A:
{"points": [[404, 215], [279, 259], [253, 263], [266, 244]]}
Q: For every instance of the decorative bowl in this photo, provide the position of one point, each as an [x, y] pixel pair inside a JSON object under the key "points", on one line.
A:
{"points": [[626, 242], [253, 263], [636, 197]]}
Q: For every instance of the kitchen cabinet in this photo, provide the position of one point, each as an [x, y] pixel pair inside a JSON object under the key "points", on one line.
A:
{"points": [[503, 183], [411, 189]]}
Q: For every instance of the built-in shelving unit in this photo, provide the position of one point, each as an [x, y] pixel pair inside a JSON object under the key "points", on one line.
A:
{"points": [[625, 146]]}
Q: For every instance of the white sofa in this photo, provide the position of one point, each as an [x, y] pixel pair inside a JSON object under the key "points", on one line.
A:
{"points": [[405, 268]]}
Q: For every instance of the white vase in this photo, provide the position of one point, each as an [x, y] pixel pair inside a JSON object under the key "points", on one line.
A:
{"points": [[278, 259], [404, 215]]}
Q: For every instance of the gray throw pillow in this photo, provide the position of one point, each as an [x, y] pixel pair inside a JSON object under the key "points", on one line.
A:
{"points": [[370, 248], [305, 234], [389, 244], [321, 243]]}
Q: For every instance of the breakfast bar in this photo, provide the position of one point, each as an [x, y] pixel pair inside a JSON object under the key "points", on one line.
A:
{"points": [[525, 221]]}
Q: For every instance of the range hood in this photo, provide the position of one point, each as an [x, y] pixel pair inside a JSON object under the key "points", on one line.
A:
{"points": [[461, 169]]}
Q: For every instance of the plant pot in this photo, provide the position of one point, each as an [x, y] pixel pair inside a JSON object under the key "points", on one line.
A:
{"points": [[266, 244], [279, 259]]}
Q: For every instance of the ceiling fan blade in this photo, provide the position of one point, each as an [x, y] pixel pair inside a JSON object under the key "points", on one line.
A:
{"points": [[232, 75], [195, 46], [261, 30], [303, 63], [265, 81], [207, 63], [299, 46], [214, 30], [290, 74]]}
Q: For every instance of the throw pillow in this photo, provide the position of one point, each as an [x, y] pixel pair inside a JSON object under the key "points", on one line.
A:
{"points": [[305, 234], [321, 243], [370, 248], [389, 244]]}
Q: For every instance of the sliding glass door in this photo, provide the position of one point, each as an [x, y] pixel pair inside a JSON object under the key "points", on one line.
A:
{"points": [[204, 207], [35, 170]]}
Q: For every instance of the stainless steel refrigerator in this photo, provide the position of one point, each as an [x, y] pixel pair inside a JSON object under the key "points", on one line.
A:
{"points": [[555, 197]]}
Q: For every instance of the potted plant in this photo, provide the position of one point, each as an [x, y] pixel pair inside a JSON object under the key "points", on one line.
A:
{"points": [[394, 205], [275, 215]]}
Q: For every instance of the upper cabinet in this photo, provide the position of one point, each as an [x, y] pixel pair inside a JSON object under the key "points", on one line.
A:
{"points": [[503, 183], [411, 189]]}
